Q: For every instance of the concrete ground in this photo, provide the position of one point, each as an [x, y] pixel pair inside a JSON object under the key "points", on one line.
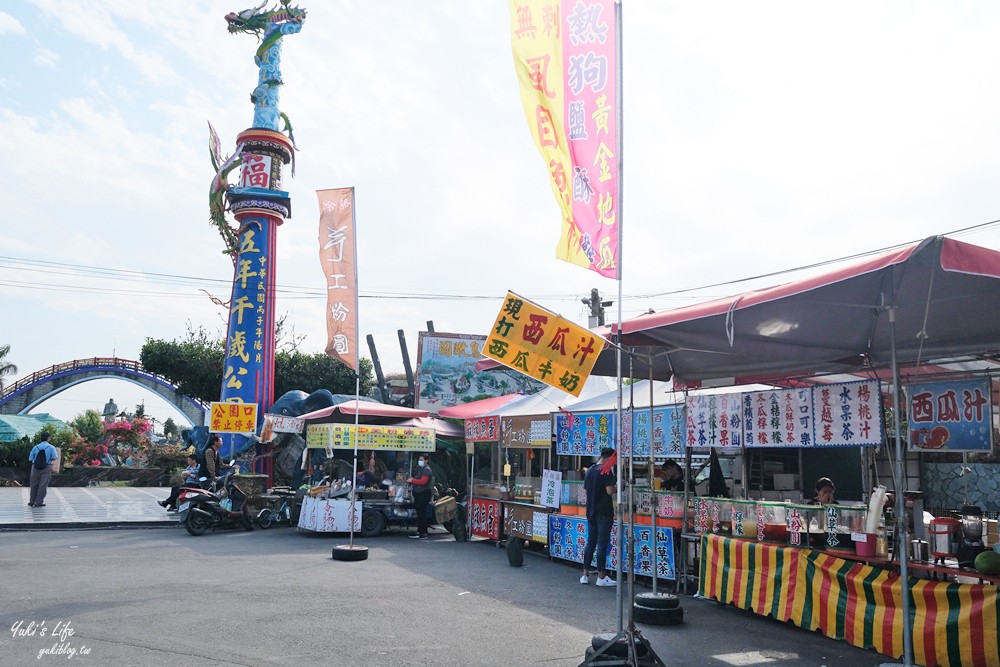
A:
{"points": [[157, 596]]}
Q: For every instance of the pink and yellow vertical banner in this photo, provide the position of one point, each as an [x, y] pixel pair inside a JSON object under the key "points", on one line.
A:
{"points": [[565, 54], [338, 256]]}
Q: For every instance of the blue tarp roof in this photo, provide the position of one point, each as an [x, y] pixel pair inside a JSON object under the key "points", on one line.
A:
{"points": [[15, 427]]}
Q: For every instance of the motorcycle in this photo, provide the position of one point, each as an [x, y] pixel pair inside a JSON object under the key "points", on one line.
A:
{"points": [[201, 509]]}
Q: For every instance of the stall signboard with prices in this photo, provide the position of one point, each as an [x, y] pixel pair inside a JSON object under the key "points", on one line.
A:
{"points": [[232, 417], [542, 345], [370, 437], [584, 433], [951, 416], [569, 539], [524, 521], [525, 432], [664, 428], [551, 488], [845, 414], [486, 517]]}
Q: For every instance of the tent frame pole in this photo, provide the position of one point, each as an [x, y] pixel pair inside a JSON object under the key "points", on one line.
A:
{"points": [[900, 507]]}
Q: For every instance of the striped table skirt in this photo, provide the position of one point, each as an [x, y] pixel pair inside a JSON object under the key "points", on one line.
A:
{"points": [[953, 624]]}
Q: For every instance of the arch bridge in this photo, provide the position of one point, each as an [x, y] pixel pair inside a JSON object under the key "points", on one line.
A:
{"points": [[30, 391]]}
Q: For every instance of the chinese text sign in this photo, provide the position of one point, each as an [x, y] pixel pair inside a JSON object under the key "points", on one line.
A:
{"points": [[543, 345], [566, 62]]}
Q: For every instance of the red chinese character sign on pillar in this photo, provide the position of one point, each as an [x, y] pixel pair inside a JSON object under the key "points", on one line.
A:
{"points": [[565, 54], [540, 344]]}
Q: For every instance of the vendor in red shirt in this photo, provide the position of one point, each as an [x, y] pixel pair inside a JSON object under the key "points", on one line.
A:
{"points": [[423, 486]]}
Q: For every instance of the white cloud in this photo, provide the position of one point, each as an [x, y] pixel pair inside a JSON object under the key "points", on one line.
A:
{"points": [[46, 58], [10, 25]]}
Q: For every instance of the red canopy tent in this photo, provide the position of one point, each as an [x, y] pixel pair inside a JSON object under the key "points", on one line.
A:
{"points": [[937, 301], [475, 408], [943, 294]]}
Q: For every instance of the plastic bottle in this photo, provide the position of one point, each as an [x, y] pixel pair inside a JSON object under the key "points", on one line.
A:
{"points": [[881, 540]]}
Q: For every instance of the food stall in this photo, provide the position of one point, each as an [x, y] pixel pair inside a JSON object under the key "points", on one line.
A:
{"points": [[757, 554], [510, 439], [334, 505], [648, 434], [525, 444]]}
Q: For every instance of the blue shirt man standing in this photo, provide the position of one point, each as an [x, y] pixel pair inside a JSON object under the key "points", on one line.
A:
{"points": [[40, 477]]}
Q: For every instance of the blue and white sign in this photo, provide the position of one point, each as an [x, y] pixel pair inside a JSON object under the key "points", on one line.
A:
{"points": [[954, 416]]}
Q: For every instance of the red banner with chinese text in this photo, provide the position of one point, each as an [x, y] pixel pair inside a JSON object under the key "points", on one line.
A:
{"points": [[338, 257], [565, 54]]}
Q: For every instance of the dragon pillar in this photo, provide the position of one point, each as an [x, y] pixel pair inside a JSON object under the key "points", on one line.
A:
{"points": [[259, 205]]}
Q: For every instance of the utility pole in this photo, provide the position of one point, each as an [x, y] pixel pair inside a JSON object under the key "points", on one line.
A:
{"points": [[596, 308]]}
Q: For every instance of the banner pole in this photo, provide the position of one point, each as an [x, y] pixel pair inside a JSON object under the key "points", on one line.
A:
{"points": [[618, 348], [357, 370]]}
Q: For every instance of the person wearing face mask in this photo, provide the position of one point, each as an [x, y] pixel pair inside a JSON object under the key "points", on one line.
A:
{"points": [[423, 485]]}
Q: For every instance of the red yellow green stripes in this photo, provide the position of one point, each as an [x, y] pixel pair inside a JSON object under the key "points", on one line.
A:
{"points": [[954, 625]]}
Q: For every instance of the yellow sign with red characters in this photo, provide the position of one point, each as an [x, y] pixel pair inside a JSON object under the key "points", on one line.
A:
{"points": [[538, 343], [233, 418]]}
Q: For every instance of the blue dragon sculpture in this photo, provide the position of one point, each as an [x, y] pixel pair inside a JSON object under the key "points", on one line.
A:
{"points": [[269, 27]]}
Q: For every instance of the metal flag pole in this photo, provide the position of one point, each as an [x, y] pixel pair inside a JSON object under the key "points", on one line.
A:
{"points": [[350, 551], [619, 126]]}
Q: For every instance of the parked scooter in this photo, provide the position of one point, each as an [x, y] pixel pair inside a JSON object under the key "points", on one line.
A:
{"points": [[204, 509]]}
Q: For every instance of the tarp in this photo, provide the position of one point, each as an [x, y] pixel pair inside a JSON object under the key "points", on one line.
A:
{"points": [[366, 408], [945, 296], [384, 415], [477, 408], [550, 399]]}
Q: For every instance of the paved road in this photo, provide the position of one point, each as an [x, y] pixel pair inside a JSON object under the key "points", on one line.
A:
{"points": [[157, 596]]}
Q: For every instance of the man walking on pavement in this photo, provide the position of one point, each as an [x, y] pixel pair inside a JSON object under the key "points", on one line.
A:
{"points": [[599, 483], [42, 455]]}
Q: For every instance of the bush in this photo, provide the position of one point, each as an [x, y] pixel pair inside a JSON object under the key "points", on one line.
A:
{"points": [[15, 454]]}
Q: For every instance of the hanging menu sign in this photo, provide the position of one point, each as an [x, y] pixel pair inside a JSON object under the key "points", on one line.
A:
{"points": [[584, 433], [778, 418], [663, 428], [847, 414], [714, 420], [953, 416]]}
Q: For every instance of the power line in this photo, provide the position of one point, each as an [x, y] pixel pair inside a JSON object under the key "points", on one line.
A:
{"points": [[310, 293]]}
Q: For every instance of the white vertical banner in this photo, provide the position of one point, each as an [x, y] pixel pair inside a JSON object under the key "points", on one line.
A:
{"points": [[713, 420], [848, 414], [778, 418]]}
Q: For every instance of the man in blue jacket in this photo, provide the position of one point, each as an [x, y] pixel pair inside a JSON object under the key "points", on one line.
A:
{"points": [[599, 483], [42, 453]]}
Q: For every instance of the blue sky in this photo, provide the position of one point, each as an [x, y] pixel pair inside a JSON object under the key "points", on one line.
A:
{"points": [[758, 137]]}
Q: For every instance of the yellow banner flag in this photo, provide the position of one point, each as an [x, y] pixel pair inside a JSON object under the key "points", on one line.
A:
{"points": [[542, 345]]}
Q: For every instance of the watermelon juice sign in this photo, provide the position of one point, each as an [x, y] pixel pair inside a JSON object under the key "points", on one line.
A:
{"points": [[953, 416]]}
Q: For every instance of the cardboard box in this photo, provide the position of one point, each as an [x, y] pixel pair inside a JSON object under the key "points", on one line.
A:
{"points": [[784, 481]]}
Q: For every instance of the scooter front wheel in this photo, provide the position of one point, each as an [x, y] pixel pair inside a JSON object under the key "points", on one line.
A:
{"points": [[196, 523]]}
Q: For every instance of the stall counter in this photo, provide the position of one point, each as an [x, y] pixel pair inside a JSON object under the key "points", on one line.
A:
{"points": [[853, 601], [329, 516], [526, 520]]}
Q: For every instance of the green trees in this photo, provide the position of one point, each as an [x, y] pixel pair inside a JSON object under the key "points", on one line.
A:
{"points": [[195, 365], [170, 428], [6, 368], [89, 425]]}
